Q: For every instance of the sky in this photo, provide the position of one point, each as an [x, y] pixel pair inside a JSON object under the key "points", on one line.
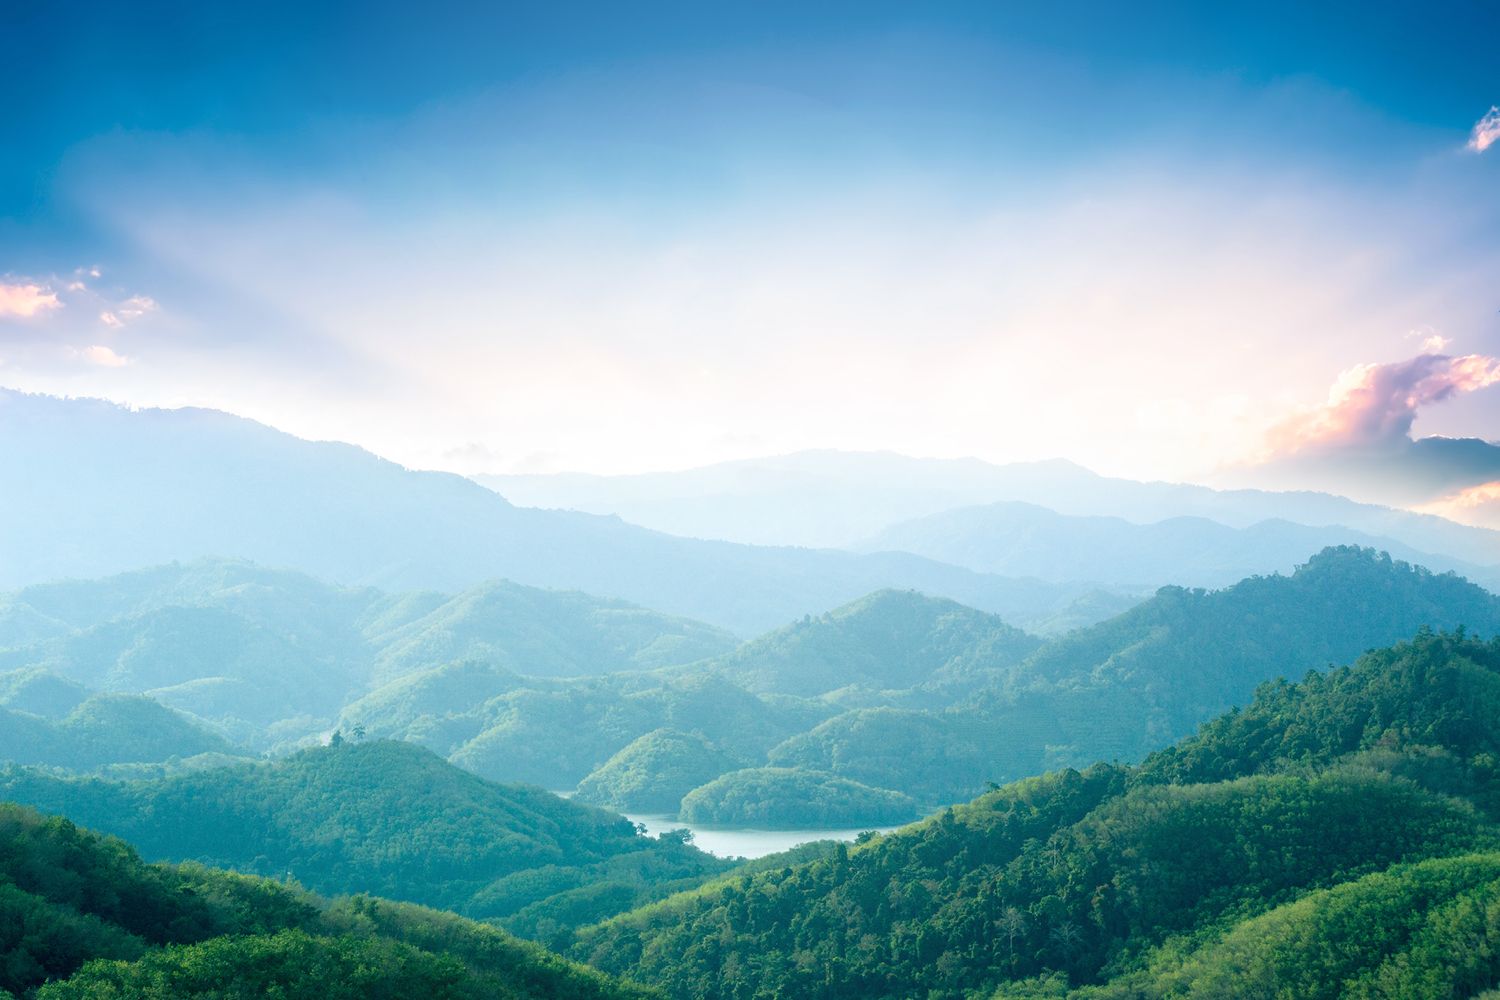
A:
{"points": [[1253, 244]]}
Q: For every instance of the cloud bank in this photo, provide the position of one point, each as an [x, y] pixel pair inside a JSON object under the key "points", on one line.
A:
{"points": [[1373, 405], [1359, 442]]}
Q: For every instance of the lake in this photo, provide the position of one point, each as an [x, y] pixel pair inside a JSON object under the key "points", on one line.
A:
{"points": [[746, 843]]}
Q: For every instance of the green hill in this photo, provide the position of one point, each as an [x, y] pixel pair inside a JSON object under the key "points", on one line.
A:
{"points": [[386, 818], [653, 772], [269, 657], [888, 641], [81, 916], [543, 633], [1118, 877], [783, 798], [104, 730], [554, 733], [1120, 689]]}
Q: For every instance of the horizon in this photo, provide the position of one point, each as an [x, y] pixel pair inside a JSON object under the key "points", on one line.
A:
{"points": [[1267, 257]]}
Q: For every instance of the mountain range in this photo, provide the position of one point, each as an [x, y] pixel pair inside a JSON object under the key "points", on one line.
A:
{"points": [[90, 488], [841, 499]]}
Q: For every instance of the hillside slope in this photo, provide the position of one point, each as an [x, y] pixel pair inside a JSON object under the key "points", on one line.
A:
{"points": [[1116, 875], [385, 818], [1120, 689], [886, 641], [85, 918]]}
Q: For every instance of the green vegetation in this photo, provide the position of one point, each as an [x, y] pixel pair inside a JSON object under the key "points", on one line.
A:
{"points": [[782, 798], [1125, 687], [104, 730], [82, 916], [390, 819], [889, 641], [268, 657], [1335, 831], [555, 733], [543, 633], [1393, 934], [653, 772]]}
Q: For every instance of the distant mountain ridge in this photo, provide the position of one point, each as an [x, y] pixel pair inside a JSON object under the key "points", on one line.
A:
{"points": [[89, 488], [1021, 539], [840, 499]]}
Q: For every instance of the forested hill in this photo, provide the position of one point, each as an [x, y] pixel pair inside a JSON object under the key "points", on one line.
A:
{"points": [[83, 918], [271, 656], [1231, 865], [889, 640], [390, 819], [1125, 687], [1186, 655]]}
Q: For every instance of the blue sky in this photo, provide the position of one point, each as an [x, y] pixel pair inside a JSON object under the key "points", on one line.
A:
{"points": [[623, 237]]}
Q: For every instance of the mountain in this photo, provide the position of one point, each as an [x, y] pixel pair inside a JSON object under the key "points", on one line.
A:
{"points": [[554, 733], [652, 773], [105, 730], [887, 641], [543, 633], [89, 488], [85, 918], [269, 656], [1335, 838], [840, 499], [1120, 689], [384, 818], [1020, 539]]}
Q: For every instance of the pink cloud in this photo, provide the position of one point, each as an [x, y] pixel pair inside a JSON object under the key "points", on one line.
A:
{"points": [[98, 354], [1486, 131], [1377, 404], [26, 300], [1477, 505]]}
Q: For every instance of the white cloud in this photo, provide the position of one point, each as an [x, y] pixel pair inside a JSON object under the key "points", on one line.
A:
{"points": [[1486, 131], [98, 354], [109, 319], [26, 299]]}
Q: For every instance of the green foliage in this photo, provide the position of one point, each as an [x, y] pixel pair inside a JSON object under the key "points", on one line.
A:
{"points": [[1150, 881], [82, 916], [104, 730], [268, 656], [543, 633], [783, 798], [380, 817], [889, 641], [653, 772], [1424, 930], [1126, 687]]}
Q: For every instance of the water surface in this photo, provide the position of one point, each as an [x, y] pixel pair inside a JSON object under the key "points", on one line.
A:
{"points": [[742, 842]]}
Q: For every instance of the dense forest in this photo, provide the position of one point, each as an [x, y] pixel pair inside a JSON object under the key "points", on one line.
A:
{"points": [[1228, 865], [81, 916], [390, 819]]}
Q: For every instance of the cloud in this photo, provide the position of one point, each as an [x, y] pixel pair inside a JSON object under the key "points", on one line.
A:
{"points": [[131, 309], [26, 300], [1486, 131], [98, 354], [1477, 505], [1372, 405], [1359, 442]]}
